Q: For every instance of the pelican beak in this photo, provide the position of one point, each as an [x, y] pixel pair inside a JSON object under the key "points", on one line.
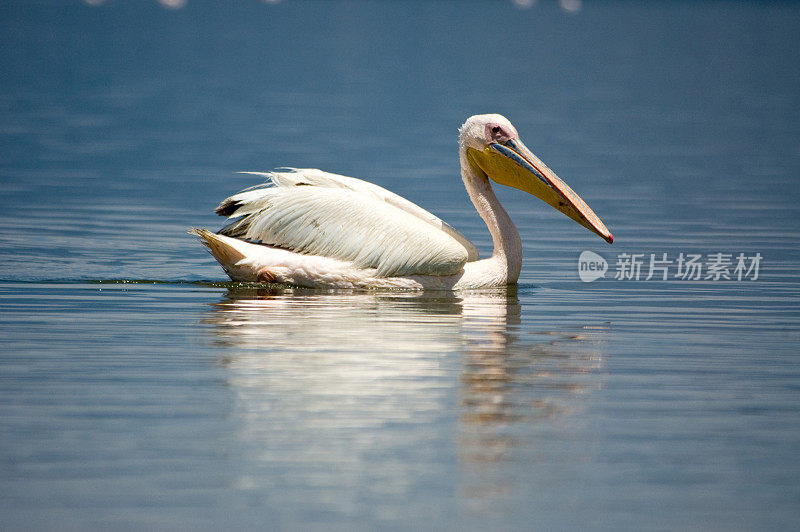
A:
{"points": [[512, 164]]}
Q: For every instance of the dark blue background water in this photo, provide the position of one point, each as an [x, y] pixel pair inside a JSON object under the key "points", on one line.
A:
{"points": [[613, 404]]}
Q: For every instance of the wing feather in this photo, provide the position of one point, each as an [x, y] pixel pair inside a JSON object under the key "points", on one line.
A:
{"points": [[317, 213], [313, 177]]}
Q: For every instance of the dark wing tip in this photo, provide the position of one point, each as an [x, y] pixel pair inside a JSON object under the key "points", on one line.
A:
{"points": [[227, 207]]}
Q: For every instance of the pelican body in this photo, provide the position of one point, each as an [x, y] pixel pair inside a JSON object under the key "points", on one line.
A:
{"points": [[311, 228]]}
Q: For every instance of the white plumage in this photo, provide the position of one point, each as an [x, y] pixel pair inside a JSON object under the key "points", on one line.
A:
{"points": [[318, 213], [312, 228]]}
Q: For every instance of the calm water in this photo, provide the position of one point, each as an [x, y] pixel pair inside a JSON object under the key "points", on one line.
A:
{"points": [[139, 390]]}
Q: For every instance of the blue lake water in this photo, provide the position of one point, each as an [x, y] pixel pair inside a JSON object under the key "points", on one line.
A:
{"points": [[140, 390]]}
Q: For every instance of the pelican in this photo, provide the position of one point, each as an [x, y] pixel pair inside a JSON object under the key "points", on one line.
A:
{"points": [[311, 228]]}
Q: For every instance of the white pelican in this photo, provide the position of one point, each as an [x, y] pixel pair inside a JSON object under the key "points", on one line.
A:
{"points": [[311, 228]]}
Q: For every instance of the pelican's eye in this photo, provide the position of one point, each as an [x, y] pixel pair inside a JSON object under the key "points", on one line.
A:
{"points": [[498, 133]]}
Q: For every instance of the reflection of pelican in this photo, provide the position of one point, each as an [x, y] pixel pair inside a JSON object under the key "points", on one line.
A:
{"points": [[345, 359], [312, 228]]}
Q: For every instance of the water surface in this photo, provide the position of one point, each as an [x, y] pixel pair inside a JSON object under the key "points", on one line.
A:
{"points": [[139, 390]]}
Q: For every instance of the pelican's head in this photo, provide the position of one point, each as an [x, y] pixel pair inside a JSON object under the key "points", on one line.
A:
{"points": [[493, 148]]}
